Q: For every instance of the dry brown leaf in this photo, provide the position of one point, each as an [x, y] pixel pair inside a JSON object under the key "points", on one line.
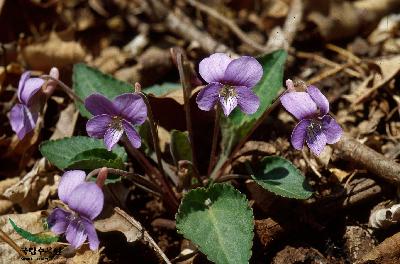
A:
{"points": [[389, 67], [53, 52], [66, 123], [6, 204], [110, 60], [339, 174], [32, 191], [32, 222], [132, 229]]}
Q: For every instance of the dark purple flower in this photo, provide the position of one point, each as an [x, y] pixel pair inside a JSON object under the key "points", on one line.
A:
{"points": [[23, 116], [230, 82], [316, 127], [113, 118], [85, 201]]}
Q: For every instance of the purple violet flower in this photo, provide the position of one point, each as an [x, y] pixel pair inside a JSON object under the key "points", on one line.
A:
{"points": [[316, 127], [23, 116], [32, 97], [230, 81], [85, 201], [113, 118]]}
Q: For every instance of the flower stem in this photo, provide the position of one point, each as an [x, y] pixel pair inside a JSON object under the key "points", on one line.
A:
{"points": [[153, 172], [68, 90], [154, 133], [217, 173], [137, 179], [184, 76], [214, 139]]}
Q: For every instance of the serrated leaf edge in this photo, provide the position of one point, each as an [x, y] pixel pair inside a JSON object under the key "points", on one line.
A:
{"points": [[236, 193]]}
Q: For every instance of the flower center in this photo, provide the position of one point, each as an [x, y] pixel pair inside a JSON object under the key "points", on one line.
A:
{"points": [[116, 123], [227, 92], [313, 129]]}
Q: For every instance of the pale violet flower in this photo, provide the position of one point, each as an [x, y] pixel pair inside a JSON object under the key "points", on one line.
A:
{"points": [[230, 81], [24, 115], [113, 118], [85, 201], [316, 127]]}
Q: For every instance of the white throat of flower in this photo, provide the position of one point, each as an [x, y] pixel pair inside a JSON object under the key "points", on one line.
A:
{"points": [[116, 123], [313, 129]]}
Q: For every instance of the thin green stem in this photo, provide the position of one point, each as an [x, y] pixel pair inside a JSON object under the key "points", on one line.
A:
{"points": [[184, 76], [214, 139], [217, 173], [154, 133], [68, 90]]}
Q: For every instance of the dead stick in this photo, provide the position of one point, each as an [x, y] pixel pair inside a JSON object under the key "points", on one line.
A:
{"points": [[354, 151], [12, 244], [182, 26], [229, 23]]}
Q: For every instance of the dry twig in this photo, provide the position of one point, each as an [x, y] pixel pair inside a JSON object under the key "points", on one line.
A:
{"points": [[230, 24], [354, 151]]}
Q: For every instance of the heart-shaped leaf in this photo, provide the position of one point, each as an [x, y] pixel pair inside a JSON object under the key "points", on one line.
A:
{"points": [[220, 221], [82, 153], [281, 177]]}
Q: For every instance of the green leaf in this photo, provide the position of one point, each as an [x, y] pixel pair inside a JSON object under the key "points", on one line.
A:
{"points": [[37, 238], [238, 124], [160, 90], [281, 177], [180, 146], [67, 152], [220, 221], [87, 80]]}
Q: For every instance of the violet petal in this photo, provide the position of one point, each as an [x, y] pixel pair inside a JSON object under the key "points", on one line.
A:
{"points": [[131, 107], [97, 126], [58, 221], [299, 134], [132, 134], [299, 104], [247, 100], [316, 142], [112, 136], [320, 100], [98, 104], [92, 235], [69, 181], [228, 104], [331, 129], [21, 85], [212, 69], [87, 199], [22, 120], [31, 87], [208, 96], [244, 71], [75, 233]]}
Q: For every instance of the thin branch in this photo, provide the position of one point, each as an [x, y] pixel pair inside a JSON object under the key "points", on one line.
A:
{"points": [[12, 244], [230, 24], [182, 25], [356, 152]]}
